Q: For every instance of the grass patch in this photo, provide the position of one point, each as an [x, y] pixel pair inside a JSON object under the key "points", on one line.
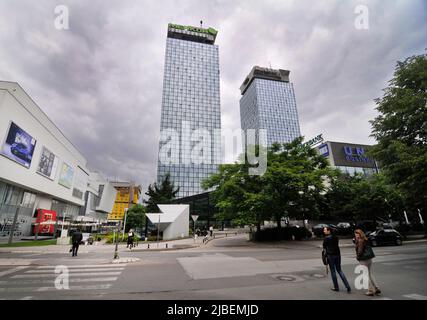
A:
{"points": [[29, 243]]}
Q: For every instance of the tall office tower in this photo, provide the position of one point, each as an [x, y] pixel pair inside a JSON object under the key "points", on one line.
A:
{"points": [[191, 101], [268, 102]]}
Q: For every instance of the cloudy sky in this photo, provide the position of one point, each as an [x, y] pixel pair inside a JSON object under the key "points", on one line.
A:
{"points": [[100, 81]]}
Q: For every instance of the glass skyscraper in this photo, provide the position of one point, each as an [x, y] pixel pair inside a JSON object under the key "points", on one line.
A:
{"points": [[191, 101], [268, 102]]}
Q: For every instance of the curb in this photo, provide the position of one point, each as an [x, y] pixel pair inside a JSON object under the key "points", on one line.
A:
{"points": [[161, 249]]}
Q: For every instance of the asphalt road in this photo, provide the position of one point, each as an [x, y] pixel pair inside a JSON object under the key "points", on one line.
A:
{"points": [[229, 268]]}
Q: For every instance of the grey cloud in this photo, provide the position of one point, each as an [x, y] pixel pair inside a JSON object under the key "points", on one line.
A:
{"points": [[101, 81]]}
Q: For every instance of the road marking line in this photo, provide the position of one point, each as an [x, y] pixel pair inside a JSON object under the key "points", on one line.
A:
{"points": [[415, 296], [413, 267], [94, 287], [42, 289], [86, 266], [383, 298], [3, 273], [75, 270], [55, 275], [27, 298], [53, 281]]}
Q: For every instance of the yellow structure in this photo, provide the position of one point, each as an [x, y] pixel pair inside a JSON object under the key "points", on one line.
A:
{"points": [[124, 190]]}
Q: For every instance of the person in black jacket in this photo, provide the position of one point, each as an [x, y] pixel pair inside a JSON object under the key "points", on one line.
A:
{"points": [[331, 246], [75, 240]]}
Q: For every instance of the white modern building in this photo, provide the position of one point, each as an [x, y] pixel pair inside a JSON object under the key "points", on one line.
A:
{"points": [[173, 221], [41, 169]]}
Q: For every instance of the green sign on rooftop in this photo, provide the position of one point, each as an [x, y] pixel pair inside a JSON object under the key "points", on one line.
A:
{"points": [[211, 31]]}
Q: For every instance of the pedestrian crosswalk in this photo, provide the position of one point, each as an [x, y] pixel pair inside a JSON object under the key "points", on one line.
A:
{"points": [[33, 279]]}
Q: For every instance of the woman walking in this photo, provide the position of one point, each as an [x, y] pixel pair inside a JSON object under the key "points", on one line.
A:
{"points": [[364, 255], [333, 254]]}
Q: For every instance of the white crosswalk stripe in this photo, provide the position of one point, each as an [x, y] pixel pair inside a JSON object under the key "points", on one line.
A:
{"points": [[43, 289], [38, 281], [415, 296], [42, 278], [76, 270], [3, 273], [54, 275], [86, 266]]}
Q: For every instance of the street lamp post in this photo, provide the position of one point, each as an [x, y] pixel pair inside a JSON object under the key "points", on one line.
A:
{"points": [[158, 232], [124, 227], [116, 251]]}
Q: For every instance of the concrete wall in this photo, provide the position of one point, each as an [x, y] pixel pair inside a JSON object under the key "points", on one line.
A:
{"points": [[180, 227]]}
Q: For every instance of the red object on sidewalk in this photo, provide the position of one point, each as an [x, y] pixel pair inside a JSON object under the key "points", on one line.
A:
{"points": [[44, 215]]}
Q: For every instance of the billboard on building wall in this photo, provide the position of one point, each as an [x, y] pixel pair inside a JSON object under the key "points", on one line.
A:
{"points": [[48, 164], [351, 155], [19, 145], [66, 176]]}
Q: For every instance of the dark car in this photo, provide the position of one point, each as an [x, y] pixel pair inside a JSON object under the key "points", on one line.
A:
{"points": [[367, 226], [385, 236], [345, 228], [318, 229], [20, 150]]}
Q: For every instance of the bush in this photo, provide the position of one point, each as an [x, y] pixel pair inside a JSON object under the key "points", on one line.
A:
{"points": [[286, 233], [273, 234], [110, 238]]}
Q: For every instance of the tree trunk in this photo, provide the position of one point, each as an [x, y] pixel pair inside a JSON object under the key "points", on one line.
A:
{"points": [[278, 221], [424, 216]]}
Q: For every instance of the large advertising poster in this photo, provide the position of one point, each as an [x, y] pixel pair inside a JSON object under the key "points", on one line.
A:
{"points": [[48, 164], [66, 177], [19, 146]]}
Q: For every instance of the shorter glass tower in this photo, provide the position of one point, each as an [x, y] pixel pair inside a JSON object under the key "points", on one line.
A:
{"points": [[268, 102]]}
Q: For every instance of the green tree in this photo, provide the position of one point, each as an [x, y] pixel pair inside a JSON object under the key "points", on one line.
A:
{"points": [[364, 198], [295, 180], [162, 193], [135, 217], [401, 131], [291, 186], [238, 195]]}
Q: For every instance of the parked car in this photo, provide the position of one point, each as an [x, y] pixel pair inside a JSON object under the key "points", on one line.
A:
{"points": [[300, 233], [318, 229], [385, 236], [345, 228], [367, 226]]}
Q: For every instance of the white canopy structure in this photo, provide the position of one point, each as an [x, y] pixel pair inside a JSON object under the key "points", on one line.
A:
{"points": [[173, 221]]}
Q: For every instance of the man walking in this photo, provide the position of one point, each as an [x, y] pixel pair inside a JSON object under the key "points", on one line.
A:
{"points": [[331, 246], [75, 240]]}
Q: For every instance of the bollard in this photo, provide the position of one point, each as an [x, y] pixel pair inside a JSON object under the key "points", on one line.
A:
{"points": [[148, 246], [166, 245]]}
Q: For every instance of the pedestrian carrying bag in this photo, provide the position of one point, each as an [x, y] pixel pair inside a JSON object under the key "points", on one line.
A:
{"points": [[367, 253], [324, 257]]}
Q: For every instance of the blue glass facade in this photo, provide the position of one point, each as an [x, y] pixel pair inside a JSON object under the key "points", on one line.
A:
{"points": [[191, 101], [270, 105]]}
